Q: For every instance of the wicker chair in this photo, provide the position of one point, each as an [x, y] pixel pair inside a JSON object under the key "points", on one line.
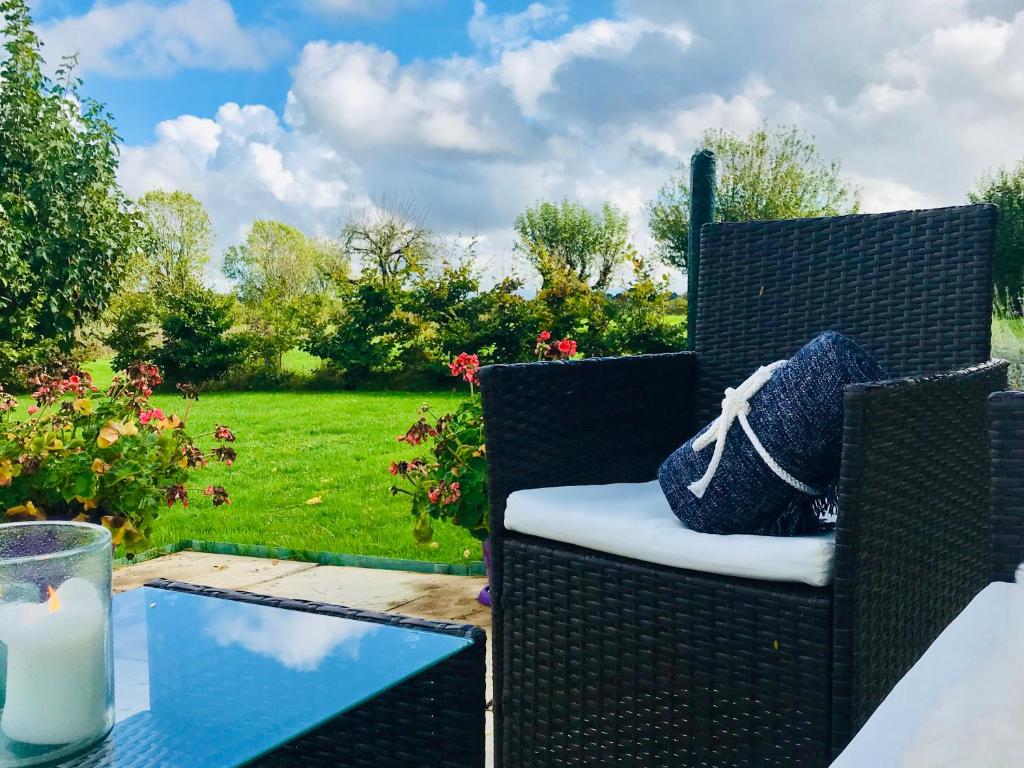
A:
{"points": [[602, 660], [1006, 413]]}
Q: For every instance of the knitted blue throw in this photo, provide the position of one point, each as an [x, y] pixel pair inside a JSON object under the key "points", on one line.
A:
{"points": [[794, 410]]}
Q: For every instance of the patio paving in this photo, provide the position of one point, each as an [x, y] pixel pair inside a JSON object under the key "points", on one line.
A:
{"points": [[425, 595]]}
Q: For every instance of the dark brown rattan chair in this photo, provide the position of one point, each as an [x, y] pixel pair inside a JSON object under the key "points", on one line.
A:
{"points": [[1006, 411], [601, 660]]}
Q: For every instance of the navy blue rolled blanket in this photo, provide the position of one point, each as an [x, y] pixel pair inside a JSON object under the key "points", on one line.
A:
{"points": [[775, 449]]}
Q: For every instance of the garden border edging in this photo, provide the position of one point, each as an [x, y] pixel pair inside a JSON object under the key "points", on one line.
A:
{"points": [[469, 568]]}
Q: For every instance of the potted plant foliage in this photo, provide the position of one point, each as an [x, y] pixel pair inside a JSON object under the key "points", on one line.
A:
{"points": [[450, 483], [108, 457]]}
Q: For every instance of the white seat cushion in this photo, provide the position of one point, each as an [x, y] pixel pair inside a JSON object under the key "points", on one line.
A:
{"points": [[634, 520]]}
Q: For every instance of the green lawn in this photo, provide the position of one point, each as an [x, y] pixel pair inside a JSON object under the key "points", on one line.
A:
{"points": [[297, 446]]}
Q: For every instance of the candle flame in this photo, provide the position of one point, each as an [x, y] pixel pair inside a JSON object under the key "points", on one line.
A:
{"points": [[54, 602]]}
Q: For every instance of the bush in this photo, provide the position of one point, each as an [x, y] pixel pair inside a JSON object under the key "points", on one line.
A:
{"points": [[132, 320], [198, 345], [107, 458], [571, 308], [372, 336], [639, 323]]}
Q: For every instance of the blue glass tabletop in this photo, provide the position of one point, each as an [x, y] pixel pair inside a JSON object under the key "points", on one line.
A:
{"points": [[201, 681]]}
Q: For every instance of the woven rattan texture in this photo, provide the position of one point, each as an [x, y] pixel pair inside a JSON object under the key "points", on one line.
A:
{"points": [[598, 420], [576, 676], [434, 719], [1006, 410], [914, 288], [614, 663], [912, 544]]}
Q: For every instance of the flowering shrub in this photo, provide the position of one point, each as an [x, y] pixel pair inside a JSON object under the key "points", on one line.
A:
{"points": [[450, 483], [103, 457]]}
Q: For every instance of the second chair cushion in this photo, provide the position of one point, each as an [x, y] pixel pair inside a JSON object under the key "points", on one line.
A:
{"points": [[774, 448]]}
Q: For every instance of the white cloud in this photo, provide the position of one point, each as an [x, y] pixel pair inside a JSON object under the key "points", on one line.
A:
{"points": [[529, 72], [498, 32], [916, 99], [140, 38], [244, 166], [361, 95]]}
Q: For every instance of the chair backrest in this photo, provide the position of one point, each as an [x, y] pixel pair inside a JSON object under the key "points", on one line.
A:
{"points": [[914, 288], [1006, 435]]}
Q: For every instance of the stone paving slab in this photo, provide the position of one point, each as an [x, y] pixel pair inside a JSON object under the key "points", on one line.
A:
{"points": [[221, 571]]}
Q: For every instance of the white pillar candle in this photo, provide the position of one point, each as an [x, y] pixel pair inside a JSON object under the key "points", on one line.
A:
{"points": [[56, 667]]}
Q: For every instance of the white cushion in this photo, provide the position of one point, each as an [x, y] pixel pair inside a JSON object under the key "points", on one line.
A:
{"points": [[634, 520]]}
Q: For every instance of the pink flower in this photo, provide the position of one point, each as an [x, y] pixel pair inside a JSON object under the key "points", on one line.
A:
{"points": [[453, 495], [544, 336], [33, 409], [466, 366], [152, 415], [223, 433], [434, 494], [74, 381], [567, 347]]}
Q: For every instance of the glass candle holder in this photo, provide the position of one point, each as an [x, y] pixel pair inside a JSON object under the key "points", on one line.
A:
{"points": [[56, 655]]}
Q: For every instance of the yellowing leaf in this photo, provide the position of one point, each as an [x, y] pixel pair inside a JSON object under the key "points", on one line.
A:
{"points": [[121, 529], [114, 430], [108, 435], [26, 511], [314, 500], [84, 406]]}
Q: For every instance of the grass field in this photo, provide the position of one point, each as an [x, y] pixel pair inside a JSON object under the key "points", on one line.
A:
{"points": [[297, 446], [335, 446]]}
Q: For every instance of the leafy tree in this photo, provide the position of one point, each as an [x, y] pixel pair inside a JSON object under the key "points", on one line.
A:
{"points": [[772, 173], [67, 231], [198, 343], [278, 261], [133, 328], [568, 238], [179, 239], [1005, 188], [390, 242], [371, 334], [283, 277], [639, 317]]}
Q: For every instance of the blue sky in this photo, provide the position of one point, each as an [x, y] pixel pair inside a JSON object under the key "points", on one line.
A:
{"points": [[421, 30], [310, 110]]}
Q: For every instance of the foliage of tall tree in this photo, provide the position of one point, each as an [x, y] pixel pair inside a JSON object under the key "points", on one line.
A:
{"points": [[66, 230], [390, 241], [282, 281], [1005, 188], [179, 239], [771, 173], [568, 238]]}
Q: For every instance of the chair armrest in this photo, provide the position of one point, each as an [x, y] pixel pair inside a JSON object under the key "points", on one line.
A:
{"points": [[1006, 432], [912, 539], [577, 422]]}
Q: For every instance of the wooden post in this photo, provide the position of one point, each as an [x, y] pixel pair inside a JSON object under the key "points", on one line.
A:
{"points": [[702, 211]]}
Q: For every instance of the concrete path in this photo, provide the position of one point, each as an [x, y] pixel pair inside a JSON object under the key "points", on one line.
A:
{"points": [[425, 595]]}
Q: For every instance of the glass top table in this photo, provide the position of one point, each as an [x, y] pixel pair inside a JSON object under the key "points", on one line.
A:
{"points": [[218, 683]]}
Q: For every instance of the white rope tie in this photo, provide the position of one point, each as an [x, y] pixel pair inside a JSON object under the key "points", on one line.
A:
{"points": [[736, 405]]}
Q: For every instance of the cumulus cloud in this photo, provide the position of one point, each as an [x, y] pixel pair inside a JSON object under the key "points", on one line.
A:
{"points": [[917, 99], [144, 39], [499, 32], [244, 165]]}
